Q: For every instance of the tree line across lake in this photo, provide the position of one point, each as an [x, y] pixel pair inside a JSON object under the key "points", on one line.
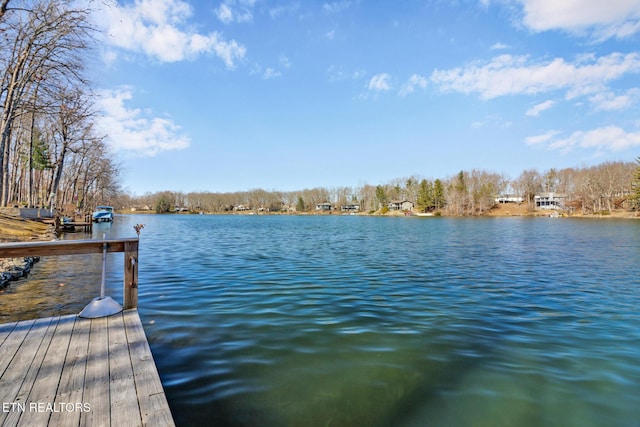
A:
{"points": [[595, 189]]}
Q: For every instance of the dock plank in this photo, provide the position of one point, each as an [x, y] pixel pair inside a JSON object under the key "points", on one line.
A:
{"points": [[96, 386], [125, 410], [45, 384], [15, 334], [71, 386], [21, 372], [5, 330], [153, 402], [67, 371]]}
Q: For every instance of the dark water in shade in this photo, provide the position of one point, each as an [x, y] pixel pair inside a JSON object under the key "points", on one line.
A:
{"points": [[372, 321]]}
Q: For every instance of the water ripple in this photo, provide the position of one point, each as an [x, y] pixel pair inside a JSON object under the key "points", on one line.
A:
{"points": [[392, 321]]}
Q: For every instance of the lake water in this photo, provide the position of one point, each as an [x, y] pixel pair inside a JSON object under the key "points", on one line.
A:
{"points": [[374, 321]]}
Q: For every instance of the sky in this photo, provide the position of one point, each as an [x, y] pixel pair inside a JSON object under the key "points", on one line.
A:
{"points": [[233, 95]]}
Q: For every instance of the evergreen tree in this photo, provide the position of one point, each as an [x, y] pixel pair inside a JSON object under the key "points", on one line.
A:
{"points": [[425, 195], [40, 155], [438, 194], [163, 204], [300, 204], [381, 195]]}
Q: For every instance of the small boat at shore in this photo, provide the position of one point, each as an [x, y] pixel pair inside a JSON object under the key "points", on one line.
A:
{"points": [[103, 214]]}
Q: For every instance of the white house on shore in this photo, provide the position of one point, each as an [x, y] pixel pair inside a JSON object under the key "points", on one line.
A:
{"points": [[324, 207], [352, 208], [550, 200], [509, 198], [400, 205]]}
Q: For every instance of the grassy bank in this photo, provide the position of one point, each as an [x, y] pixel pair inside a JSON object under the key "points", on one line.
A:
{"points": [[14, 229]]}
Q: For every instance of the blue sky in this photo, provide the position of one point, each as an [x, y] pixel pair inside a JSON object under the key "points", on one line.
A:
{"points": [[233, 95]]}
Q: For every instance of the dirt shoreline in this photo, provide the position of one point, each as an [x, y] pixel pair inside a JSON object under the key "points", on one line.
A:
{"points": [[13, 229], [512, 209]]}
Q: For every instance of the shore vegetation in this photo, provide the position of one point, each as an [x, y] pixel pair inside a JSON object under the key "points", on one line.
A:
{"points": [[609, 188]]}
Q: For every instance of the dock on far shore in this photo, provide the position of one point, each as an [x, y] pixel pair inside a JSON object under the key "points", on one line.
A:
{"points": [[73, 371]]}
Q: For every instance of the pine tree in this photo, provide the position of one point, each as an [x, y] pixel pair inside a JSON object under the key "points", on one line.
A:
{"points": [[425, 195], [41, 158], [163, 204], [438, 194], [381, 195]]}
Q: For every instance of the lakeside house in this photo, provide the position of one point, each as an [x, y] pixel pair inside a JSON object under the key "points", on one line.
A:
{"points": [[550, 200], [351, 208], [324, 207], [509, 198], [397, 205], [140, 208]]}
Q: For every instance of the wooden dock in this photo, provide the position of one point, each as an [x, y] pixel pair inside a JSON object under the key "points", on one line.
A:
{"points": [[70, 371], [75, 226]]}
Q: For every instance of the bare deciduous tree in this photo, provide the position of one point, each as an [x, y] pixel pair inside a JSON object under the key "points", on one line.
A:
{"points": [[44, 52]]}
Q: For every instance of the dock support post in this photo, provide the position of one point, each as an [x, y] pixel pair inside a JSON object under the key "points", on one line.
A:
{"points": [[130, 294]]}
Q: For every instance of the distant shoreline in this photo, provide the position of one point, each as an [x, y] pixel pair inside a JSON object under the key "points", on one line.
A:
{"points": [[505, 212]]}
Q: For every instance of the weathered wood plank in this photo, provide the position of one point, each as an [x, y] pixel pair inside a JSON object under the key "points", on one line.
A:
{"points": [[124, 402], [153, 402], [68, 371], [72, 379], [16, 333], [5, 330], [18, 378], [45, 385], [96, 389], [64, 247]]}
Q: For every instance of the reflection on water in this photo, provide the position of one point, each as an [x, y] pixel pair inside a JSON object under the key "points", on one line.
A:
{"points": [[361, 321], [61, 284]]}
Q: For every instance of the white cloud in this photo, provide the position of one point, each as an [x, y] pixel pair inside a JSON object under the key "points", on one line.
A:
{"points": [[158, 29], [336, 6], [224, 13], [539, 108], [609, 138], [271, 73], [337, 73], [235, 11], [282, 10], [499, 46], [380, 82], [134, 131], [541, 139], [599, 18], [415, 81], [516, 75], [608, 101], [284, 61]]}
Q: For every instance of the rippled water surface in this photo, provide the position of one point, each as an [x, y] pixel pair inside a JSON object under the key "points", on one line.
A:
{"points": [[372, 321]]}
